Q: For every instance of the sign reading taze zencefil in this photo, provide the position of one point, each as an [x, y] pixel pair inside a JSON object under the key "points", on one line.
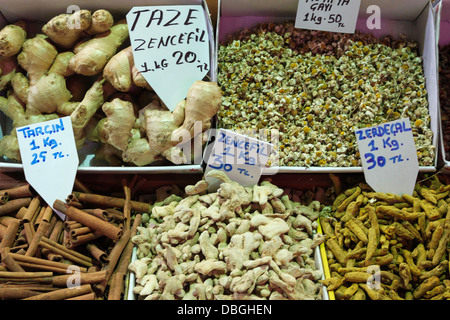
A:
{"points": [[328, 15], [170, 48], [49, 158], [242, 158], [389, 157]]}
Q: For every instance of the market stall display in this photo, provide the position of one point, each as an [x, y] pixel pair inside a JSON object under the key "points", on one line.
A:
{"points": [[314, 230]]}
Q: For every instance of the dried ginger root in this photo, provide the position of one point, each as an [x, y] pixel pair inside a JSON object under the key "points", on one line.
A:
{"points": [[225, 257], [404, 238]]}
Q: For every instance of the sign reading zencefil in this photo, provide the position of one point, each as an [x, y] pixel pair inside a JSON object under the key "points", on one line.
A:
{"points": [[242, 158], [170, 48], [49, 158]]}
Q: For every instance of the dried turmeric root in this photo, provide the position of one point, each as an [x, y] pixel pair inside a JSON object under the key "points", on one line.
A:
{"points": [[406, 237]]}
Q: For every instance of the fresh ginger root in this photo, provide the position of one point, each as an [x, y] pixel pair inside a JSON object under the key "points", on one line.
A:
{"points": [[8, 67], [12, 37], [121, 72], [82, 66], [202, 103], [36, 57], [85, 110], [116, 128], [12, 108], [92, 55], [101, 21], [152, 138], [67, 29]]}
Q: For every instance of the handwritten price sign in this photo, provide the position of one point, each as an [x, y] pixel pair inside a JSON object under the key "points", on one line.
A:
{"points": [[242, 158], [328, 15], [170, 48], [49, 158], [389, 157]]}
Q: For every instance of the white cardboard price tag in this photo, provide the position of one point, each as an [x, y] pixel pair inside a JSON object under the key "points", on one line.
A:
{"points": [[49, 158], [389, 157], [326, 15], [242, 158], [170, 48]]}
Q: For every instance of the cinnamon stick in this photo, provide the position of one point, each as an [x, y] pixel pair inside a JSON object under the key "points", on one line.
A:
{"points": [[100, 213], [74, 242], [32, 209], [36, 262], [117, 279], [16, 293], [54, 235], [29, 231], [43, 267], [97, 253], [116, 286], [107, 229], [9, 262], [5, 220], [14, 205], [113, 258], [65, 252], [23, 191], [106, 201], [69, 225], [48, 213], [128, 251], [88, 296], [79, 231], [84, 278], [41, 287], [115, 214], [21, 213], [24, 275], [34, 244], [127, 205], [62, 294], [38, 217], [10, 234], [73, 201]]}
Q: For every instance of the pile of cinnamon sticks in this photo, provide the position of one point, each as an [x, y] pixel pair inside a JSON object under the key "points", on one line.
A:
{"points": [[83, 257]]}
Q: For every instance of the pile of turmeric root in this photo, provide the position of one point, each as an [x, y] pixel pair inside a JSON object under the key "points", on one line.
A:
{"points": [[81, 65], [239, 243], [388, 247]]}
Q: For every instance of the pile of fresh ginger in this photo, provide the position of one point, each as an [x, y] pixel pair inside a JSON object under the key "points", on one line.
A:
{"points": [[81, 65], [238, 243]]}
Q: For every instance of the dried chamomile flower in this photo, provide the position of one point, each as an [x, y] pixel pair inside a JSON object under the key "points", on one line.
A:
{"points": [[316, 97]]}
